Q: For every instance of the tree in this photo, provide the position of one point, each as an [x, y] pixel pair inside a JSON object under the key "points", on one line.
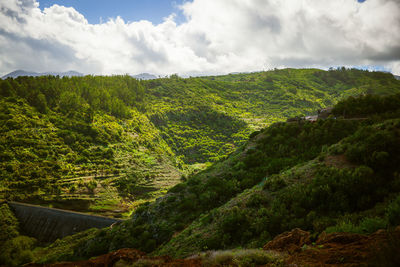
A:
{"points": [[39, 102], [5, 89]]}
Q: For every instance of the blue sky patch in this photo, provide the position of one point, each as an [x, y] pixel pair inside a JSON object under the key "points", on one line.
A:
{"points": [[130, 10]]}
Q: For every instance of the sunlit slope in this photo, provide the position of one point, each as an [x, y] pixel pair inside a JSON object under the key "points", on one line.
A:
{"points": [[107, 144], [317, 175]]}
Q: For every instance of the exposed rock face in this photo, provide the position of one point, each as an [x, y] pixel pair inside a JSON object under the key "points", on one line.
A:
{"points": [[47, 224], [381, 248], [289, 241]]}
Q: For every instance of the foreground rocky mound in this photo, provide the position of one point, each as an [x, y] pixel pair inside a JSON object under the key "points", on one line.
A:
{"points": [[381, 248], [293, 248]]}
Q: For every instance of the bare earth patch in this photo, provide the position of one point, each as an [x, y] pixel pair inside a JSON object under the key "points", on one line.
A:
{"points": [[338, 161]]}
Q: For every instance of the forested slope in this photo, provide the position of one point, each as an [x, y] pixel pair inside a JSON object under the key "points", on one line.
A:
{"points": [[332, 175], [350, 186], [109, 143], [79, 140]]}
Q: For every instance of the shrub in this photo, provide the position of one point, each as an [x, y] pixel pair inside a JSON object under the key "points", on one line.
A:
{"points": [[343, 227], [17, 251], [393, 212], [72, 188], [256, 200], [8, 224], [370, 225], [274, 183]]}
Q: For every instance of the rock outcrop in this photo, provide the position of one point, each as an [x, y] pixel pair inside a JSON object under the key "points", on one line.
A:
{"points": [[289, 241], [381, 248]]}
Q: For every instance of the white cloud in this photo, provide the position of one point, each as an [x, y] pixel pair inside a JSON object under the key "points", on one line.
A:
{"points": [[219, 36]]}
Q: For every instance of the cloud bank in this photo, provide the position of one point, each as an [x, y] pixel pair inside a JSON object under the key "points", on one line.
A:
{"points": [[219, 36]]}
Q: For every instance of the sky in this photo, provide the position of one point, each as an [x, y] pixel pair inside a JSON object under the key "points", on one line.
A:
{"points": [[197, 37], [97, 11]]}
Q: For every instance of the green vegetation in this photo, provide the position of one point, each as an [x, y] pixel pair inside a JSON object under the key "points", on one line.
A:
{"points": [[15, 249], [202, 118], [111, 144], [78, 140], [360, 194], [338, 170], [63, 250]]}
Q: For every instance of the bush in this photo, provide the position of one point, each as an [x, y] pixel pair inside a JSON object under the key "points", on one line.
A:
{"points": [[366, 226], [371, 225], [235, 223], [343, 227], [274, 183], [17, 251], [393, 212], [8, 224]]}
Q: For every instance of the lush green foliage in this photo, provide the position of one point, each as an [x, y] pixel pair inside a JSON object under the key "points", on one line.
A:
{"points": [[15, 249], [199, 116], [63, 249], [8, 224], [277, 148], [313, 195], [113, 138], [60, 135], [347, 188], [368, 105]]}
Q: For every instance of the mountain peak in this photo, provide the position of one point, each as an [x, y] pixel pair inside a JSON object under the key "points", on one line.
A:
{"points": [[145, 76], [18, 73]]}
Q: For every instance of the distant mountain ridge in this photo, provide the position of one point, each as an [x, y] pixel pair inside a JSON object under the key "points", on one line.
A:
{"points": [[397, 77], [71, 73], [144, 76], [18, 73]]}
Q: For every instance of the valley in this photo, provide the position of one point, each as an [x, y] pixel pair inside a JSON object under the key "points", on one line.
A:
{"points": [[201, 163]]}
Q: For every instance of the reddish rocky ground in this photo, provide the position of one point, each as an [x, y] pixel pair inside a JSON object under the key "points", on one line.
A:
{"points": [[337, 249]]}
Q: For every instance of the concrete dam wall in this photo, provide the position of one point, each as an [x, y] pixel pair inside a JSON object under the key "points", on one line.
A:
{"points": [[48, 224]]}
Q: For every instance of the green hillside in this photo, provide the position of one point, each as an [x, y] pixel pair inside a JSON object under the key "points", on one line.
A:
{"points": [[107, 144], [205, 118], [351, 186], [80, 143], [331, 175]]}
